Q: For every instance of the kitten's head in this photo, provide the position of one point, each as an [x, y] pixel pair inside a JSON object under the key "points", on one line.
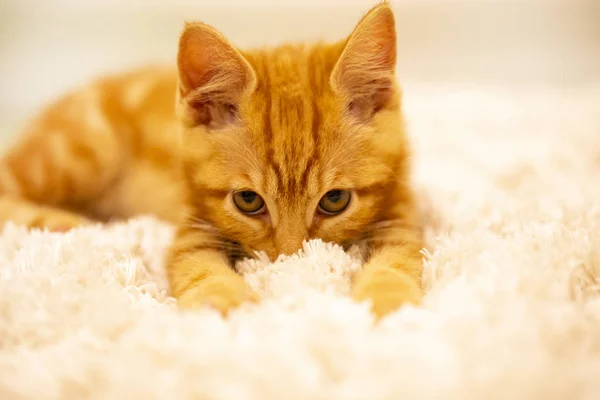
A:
{"points": [[295, 142]]}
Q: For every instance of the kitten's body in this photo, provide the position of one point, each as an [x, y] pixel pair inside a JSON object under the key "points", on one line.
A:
{"points": [[108, 150], [289, 124]]}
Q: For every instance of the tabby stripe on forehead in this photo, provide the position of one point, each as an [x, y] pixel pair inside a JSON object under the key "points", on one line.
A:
{"points": [[315, 123], [294, 118], [268, 124], [316, 117]]}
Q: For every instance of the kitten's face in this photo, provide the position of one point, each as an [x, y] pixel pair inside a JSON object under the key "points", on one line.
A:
{"points": [[298, 143]]}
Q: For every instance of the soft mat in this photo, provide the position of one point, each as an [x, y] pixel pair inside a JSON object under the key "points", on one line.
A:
{"points": [[510, 186]]}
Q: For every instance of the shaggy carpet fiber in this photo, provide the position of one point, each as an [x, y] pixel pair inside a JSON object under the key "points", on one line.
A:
{"points": [[510, 186]]}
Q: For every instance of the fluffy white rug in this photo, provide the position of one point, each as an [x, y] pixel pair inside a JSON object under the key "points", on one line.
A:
{"points": [[510, 183]]}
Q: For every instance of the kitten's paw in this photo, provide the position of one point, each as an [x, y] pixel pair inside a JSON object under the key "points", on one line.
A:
{"points": [[57, 220], [31, 215], [222, 294], [387, 289]]}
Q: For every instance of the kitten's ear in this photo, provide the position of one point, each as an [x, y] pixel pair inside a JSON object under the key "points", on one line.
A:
{"points": [[213, 76], [365, 72]]}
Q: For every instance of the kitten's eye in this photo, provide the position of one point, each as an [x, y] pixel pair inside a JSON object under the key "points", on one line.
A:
{"points": [[248, 202], [334, 202]]}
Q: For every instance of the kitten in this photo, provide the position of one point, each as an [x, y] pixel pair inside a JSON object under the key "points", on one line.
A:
{"points": [[244, 150]]}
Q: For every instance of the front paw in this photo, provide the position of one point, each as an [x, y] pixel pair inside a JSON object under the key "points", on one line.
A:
{"points": [[56, 220], [387, 289], [220, 293], [37, 216]]}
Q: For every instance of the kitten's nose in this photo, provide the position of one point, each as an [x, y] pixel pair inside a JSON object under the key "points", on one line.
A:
{"points": [[289, 247], [288, 243]]}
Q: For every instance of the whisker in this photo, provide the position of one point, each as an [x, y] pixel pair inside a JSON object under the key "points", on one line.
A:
{"points": [[204, 227], [216, 239], [193, 218]]}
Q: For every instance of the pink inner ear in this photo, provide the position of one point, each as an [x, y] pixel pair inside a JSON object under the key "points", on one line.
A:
{"points": [[213, 76], [195, 74], [207, 59], [365, 70], [199, 58]]}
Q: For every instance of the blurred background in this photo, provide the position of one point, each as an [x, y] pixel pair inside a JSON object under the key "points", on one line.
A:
{"points": [[49, 46]]}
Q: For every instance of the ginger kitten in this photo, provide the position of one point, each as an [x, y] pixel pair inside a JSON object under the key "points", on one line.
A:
{"points": [[245, 150]]}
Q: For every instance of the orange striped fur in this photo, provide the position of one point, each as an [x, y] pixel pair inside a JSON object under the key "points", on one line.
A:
{"points": [[290, 124]]}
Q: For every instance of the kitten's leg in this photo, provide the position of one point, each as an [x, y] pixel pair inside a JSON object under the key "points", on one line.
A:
{"points": [[392, 275], [32, 215], [200, 273], [66, 158]]}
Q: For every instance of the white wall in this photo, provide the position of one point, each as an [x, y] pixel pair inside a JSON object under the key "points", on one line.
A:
{"points": [[48, 46]]}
